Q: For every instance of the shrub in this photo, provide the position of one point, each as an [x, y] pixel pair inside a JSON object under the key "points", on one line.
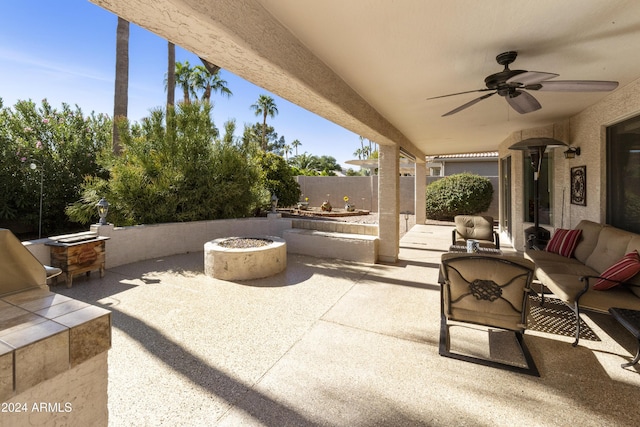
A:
{"points": [[458, 194], [63, 144], [171, 169], [278, 178]]}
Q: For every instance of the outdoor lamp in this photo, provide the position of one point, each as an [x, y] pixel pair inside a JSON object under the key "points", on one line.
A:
{"points": [[572, 152], [103, 209], [536, 236], [274, 202], [33, 166]]}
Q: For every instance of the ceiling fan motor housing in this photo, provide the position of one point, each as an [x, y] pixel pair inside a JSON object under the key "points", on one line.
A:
{"points": [[499, 80]]}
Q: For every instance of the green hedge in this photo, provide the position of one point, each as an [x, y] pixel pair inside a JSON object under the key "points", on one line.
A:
{"points": [[460, 194]]}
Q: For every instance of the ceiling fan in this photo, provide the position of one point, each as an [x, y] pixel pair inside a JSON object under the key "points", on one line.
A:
{"points": [[513, 84]]}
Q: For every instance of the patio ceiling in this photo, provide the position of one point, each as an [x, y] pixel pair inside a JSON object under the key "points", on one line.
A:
{"points": [[369, 65]]}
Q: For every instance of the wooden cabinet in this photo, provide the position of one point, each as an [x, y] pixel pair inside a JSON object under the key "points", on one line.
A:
{"points": [[77, 254]]}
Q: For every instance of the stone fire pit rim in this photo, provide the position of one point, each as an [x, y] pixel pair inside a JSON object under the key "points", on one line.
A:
{"points": [[275, 241]]}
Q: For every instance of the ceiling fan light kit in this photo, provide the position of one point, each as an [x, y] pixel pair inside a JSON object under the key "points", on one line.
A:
{"points": [[513, 84]]}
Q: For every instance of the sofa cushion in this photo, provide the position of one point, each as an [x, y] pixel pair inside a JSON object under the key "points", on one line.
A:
{"points": [[564, 286], [567, 286], [573, 268], [538, 256], [615, 297], [623, 270], [635, 288], [612, 244], [634, 244], [563, 242], [588, 239], [554, 263]]}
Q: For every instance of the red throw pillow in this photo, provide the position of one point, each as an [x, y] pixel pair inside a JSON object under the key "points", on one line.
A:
{"points": [[622, 270], [563, 242]]}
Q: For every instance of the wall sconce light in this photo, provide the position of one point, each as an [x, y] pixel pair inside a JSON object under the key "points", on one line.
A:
{"points": [[103, 209], [572, 152]]}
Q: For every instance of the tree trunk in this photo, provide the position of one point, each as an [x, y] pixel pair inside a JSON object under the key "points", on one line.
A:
{"points": [[264, 132], [121, 94], [171, 74], [185, 93]]}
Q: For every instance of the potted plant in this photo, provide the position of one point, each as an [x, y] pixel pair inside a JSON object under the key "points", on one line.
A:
{"points": [[348, 206], [303, 206]]}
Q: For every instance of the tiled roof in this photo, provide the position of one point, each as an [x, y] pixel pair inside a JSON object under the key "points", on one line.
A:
{"points": [[484, 155]]}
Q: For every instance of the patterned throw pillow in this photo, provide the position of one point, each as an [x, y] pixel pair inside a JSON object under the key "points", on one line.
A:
{"points": [[622, 270], [563, 242]]}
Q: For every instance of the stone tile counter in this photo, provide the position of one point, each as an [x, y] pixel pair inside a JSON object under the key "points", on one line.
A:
{"points": [[44, 340]]}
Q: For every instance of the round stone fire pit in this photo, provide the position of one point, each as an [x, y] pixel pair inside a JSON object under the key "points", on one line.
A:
{"points": [[245, 258]]}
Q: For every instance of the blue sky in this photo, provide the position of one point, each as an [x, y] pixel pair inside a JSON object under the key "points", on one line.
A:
{"points": [[64, 51]]}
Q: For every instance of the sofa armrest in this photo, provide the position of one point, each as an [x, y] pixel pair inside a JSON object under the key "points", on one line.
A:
{"points": [[585, 279]]}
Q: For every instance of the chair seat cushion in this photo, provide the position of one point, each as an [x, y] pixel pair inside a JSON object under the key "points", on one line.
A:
{"points": [[474, 227]]}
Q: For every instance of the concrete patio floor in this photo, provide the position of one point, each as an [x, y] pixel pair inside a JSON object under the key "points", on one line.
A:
{"points": [[334, 343]]}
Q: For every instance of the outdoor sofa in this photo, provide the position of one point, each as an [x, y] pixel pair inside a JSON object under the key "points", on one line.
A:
{"points": [[572, 274]]}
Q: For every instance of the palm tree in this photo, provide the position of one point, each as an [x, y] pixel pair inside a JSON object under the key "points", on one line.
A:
{"points": [[358, 153], [306, 162], [121, 92], [287, 151], [185, 79], [171, 73], [208, 82], [295, 144], [267, 107]]}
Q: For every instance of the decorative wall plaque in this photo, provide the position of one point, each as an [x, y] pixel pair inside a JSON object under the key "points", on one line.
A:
{"points": [[579, 185]]}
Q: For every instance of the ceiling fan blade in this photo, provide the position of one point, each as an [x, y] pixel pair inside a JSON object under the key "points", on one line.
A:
{"points": [[577, 86], [523, 102], [531, 78], [468, 104], [460, 93]]}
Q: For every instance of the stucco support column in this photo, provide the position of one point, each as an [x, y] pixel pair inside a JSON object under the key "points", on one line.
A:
{"points": [[389, 203], [420, 197]]}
